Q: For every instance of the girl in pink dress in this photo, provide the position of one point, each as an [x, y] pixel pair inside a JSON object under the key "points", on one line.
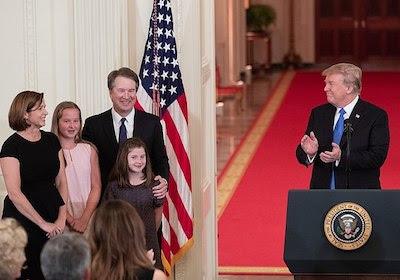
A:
{"points": [[82, 166]]}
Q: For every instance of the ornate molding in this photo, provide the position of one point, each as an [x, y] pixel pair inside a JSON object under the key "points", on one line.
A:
{"points": [[30, 44]]}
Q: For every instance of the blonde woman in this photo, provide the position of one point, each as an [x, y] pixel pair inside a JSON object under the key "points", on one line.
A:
{"points": [[13, 239]]}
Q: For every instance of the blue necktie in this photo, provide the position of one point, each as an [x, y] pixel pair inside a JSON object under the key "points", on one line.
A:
{"points": [[122, 132], [337, 135]]}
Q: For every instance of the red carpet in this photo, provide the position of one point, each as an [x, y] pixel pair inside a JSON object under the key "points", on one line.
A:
{"points": [[252, 226]]}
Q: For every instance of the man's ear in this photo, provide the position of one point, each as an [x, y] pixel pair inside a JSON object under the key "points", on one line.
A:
{"points": [[350, 89]]}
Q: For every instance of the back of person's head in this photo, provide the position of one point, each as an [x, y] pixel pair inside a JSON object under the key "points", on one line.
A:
{"points": [[23, 103], [57, 115], [120, 172], [13, 239], [117, 239], [351, 73], [66, 257]]}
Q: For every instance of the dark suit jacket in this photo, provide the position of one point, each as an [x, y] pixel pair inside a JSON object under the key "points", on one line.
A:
{"points": [[369, 146], [99, 130]]}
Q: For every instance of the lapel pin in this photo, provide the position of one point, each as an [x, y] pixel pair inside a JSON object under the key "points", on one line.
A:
{"points": [[357, 116]]}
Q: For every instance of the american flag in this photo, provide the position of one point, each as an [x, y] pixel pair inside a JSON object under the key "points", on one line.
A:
{"points": [[161, 92]]}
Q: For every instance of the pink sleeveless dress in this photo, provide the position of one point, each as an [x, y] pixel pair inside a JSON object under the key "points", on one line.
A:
{"points": [[78, 171]]}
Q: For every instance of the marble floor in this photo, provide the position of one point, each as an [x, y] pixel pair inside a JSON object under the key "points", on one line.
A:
{"points": [[233, 125]]}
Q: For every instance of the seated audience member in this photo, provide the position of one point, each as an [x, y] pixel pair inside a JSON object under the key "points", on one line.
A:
{"points": [[13, 239], [66, 257], [117, 239]]}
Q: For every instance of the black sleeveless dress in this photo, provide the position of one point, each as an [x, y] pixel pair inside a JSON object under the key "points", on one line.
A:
{"points": [[39, 166], [145, 274]]}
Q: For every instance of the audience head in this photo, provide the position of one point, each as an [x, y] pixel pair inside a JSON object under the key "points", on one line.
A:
{"points": [[350, 73], [117, 239], [22, 106], [66, 257], [133, 147], [67, 115], [13, 240], [123, 84]]}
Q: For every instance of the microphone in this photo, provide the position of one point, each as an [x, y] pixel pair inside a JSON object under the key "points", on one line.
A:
{"points": [[348, 129]]}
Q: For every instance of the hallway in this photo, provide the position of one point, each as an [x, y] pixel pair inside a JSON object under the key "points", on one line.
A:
{"points": [[231, 127]]}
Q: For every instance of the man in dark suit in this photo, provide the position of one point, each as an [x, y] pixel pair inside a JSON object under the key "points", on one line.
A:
{"points": [[368, 128], [122, 121]]}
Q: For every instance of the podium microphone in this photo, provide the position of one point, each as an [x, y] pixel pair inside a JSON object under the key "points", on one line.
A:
{"points": [[348, 129]]}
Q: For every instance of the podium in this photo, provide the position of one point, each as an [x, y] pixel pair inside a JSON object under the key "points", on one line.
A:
{"points": [[309, 253]]}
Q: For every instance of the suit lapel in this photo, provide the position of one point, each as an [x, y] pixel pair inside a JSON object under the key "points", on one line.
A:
{"points": [[108, 128], [356, 115], [138, 119], [330, 119]]}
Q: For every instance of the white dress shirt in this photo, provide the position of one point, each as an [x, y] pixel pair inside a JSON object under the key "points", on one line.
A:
{"points": [[128, 123]]}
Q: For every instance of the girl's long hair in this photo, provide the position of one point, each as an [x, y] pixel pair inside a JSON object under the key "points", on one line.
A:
{"points": [[58, 111], [117, 238], [120, 171]]}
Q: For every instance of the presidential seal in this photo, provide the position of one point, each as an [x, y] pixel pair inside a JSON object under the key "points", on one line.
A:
{"points": [[347, 226]]}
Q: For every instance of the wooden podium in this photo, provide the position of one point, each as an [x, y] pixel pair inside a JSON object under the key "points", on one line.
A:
{"points": [[309, 254]]}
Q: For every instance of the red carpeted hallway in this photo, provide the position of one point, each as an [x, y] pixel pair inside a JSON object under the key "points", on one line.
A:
{"points": [[252, 224]]}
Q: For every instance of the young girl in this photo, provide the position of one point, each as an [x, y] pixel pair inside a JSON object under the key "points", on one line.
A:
{"points": [[82, 166], [132, 180]]}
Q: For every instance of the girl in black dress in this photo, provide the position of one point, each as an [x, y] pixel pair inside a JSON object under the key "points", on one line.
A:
{"points": [[33, 168], [132, 180]]}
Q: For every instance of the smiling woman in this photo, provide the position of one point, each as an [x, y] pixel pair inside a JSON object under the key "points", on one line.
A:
{"points": [[33, 166]]}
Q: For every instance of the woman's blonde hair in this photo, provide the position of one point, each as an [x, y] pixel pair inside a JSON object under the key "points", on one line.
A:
{"points": [[117, 239], [13, 239]]}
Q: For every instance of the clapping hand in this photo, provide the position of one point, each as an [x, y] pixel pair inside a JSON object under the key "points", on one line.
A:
{"points": [[309, 144]]}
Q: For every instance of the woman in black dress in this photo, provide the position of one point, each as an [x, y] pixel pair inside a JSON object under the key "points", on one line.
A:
{"points": [[33, 169]]}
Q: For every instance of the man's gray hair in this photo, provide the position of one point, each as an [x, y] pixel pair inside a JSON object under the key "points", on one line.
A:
{"points": [[66, 256]]}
